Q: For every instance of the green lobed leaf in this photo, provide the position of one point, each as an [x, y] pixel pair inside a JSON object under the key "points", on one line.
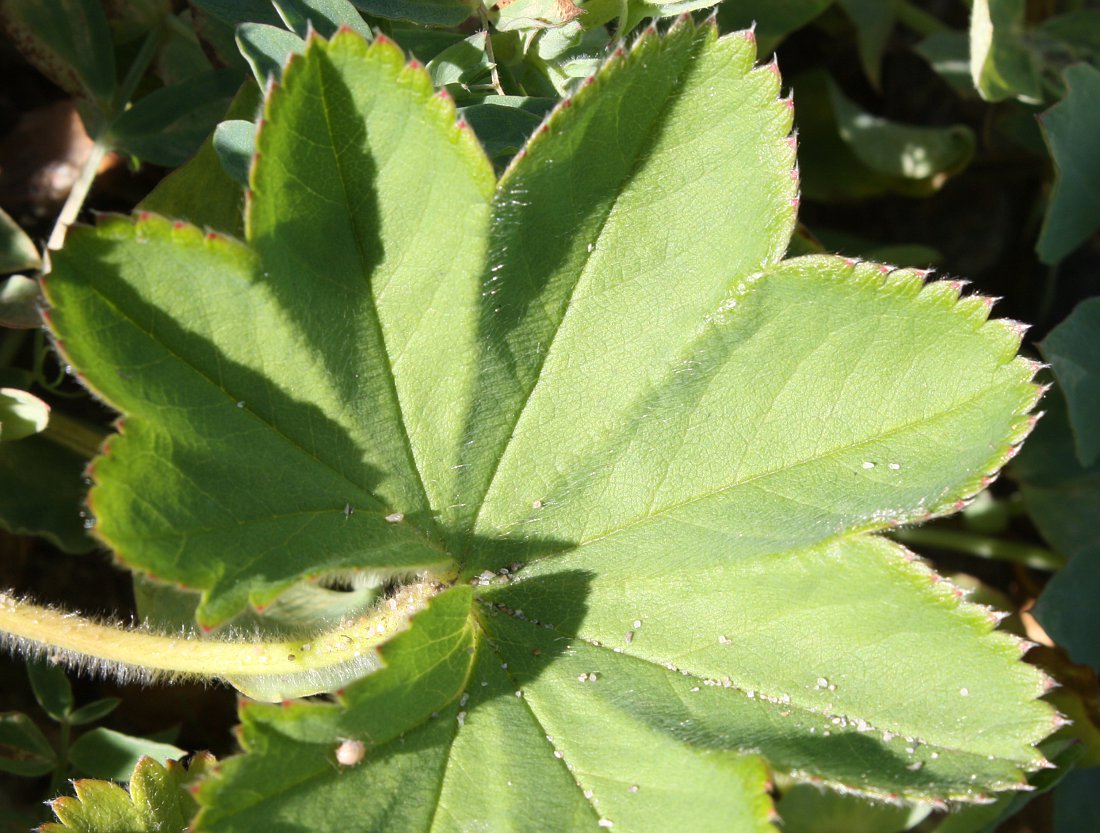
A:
{"points": [[658, 453], [1068, 128], [159, 799]]}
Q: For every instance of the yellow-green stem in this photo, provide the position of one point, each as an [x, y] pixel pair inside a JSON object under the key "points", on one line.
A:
{"points": [[265, 670]]}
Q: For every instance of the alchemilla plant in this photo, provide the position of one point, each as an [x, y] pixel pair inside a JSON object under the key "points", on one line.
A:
{"points": [[615, 469]]}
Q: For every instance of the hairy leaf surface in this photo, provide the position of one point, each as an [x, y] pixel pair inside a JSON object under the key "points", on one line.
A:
{"points": [[594, 391]]}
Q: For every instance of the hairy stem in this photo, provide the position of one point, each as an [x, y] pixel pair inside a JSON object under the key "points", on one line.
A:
{"points": [[265, 670]]}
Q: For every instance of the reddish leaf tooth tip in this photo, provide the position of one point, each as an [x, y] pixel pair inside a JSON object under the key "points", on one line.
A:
{"points": [[795, 175], [792, 141], [589, 81], [414, 64], [935, 578], [381, 39], [796, 201], [211, 235], [1018, 328], [143, 216], [1060, 721], [959, 505], [565, 103], [286, 704], [1049, 684], [462, 124], [206, 628], [788, 102], [619, 52], [443, 94], [179, 225], [749, 34], [1026, 645], [885, 269]]}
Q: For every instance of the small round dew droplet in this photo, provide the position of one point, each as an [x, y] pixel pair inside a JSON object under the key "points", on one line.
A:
{"points": [[240, 404], [633, 788], [395, 517], [606, 823], [637, 624], [964, 692], [868, 465], [894, 466], [822, 682], [536, 504]]}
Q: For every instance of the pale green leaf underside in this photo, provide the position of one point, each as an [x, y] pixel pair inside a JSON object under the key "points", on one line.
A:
{"points": [[601, 370]]}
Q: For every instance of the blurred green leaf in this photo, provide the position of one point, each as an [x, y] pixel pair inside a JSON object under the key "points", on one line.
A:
{"points": [[874, 20], [1062, 498], [1071, 128], [22, 414], [1001, 63], [19, 296], [68, 41], [426, 12], [234, 143], [324, 16], [160, 800], [91, 712], [201, 192], [1078, 30], [43, 492], [235, 12], [774, 19], [462, 63], [17, 250], [51, 688], [1076, 808], [105, 753], [503, 123], [24, 750], [848, 153], [1061, 495], [809, 809], [166, 127], [1073, 351], [267, 49], [948, 53]]}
